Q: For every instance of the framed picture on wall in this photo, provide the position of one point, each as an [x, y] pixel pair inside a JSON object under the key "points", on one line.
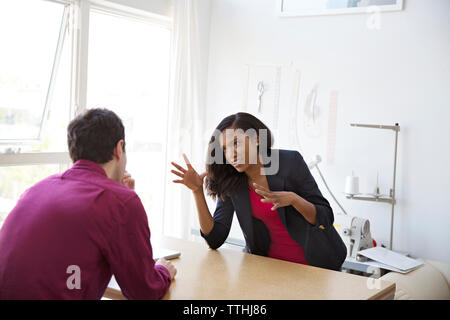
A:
{"points": [[300, 8], [262, 92]]}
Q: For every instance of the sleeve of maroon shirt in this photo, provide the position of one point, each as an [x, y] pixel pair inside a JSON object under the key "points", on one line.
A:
{"points": [[130, 256]]}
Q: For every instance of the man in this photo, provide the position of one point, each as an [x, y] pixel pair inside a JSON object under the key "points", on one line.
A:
{"points": [[70, 232]]}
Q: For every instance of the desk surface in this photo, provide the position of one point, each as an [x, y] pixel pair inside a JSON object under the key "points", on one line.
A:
{"points": [[228, 274]]}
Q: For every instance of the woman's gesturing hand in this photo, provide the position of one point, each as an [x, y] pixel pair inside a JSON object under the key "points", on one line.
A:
{"points": [[189, 177], [278, 198]]}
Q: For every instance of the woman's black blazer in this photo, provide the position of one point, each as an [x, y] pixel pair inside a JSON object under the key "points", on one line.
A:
{"points": [[322, 244]]}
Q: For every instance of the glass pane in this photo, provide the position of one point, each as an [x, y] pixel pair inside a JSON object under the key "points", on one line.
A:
{"points": [[54, 137], [28, 33], [15, 180], [129, 74]]}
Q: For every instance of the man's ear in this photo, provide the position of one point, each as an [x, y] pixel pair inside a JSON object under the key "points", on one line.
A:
{"points": [[118, 150]]}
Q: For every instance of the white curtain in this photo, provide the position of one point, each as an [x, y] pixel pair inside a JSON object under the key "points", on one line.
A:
{"points": [[186, 116]]}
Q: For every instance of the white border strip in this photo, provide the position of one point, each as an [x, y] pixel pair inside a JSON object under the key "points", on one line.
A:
{"points": [[308, 13]]}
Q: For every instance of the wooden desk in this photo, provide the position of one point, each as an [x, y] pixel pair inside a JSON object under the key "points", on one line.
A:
{"points": [[228, 274]]}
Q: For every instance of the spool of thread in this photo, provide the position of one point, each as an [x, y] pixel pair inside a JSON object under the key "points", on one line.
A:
{"points": [[352, 185]]}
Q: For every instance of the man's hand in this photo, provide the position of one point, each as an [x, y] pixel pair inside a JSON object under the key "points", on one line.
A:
{"points": [[169, 266], [127, 181]]}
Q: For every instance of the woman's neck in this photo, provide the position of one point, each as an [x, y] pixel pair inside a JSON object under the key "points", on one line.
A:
{"points": [[253, 171]]}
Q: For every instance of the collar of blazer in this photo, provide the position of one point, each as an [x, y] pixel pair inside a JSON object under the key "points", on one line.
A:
{"points": [[241, 202]]}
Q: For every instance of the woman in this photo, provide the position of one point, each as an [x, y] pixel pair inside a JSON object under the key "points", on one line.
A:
{"points": [[282, 214]]}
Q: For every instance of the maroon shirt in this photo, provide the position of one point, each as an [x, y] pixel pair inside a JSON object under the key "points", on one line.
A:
{"points": [[78, 218]]}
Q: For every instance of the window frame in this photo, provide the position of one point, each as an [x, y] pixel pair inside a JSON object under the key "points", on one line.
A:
{"points": [[117, 10], [79, 11], [63, 32]]}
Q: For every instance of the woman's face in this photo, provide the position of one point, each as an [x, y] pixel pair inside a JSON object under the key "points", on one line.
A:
{"points": [[240, 149]]}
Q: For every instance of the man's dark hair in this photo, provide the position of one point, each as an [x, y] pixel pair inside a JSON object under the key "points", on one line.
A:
{"points": [[94, 134]]}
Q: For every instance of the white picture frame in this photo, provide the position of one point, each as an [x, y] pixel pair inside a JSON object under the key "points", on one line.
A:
{"points": [[286, 8]]}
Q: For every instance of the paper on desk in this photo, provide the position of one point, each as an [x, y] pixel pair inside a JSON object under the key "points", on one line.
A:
{"points": [[385, 266], [388, 258]]}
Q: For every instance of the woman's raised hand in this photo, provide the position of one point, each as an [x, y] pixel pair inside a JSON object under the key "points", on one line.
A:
{"points": [[189, 177]]}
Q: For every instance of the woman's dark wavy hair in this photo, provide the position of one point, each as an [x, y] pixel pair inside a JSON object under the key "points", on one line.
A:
{"points": [[222, 178]]}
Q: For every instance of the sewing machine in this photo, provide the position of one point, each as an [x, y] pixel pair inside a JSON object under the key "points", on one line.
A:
{"points": [[355, 232]]}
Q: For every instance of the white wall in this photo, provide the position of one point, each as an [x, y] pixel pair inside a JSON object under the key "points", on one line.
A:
{"points": [[400, 73]]}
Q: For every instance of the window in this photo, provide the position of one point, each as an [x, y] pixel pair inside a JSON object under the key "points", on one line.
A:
{"points": [[42, 66], [128, 72], [34, 73]]}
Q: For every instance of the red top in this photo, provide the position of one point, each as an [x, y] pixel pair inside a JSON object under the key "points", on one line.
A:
{"points": [[282, 246], [83, 220]]}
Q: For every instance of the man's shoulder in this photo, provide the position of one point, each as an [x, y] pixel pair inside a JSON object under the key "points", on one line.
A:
{"points": [[109, 187], [118, 191]]}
